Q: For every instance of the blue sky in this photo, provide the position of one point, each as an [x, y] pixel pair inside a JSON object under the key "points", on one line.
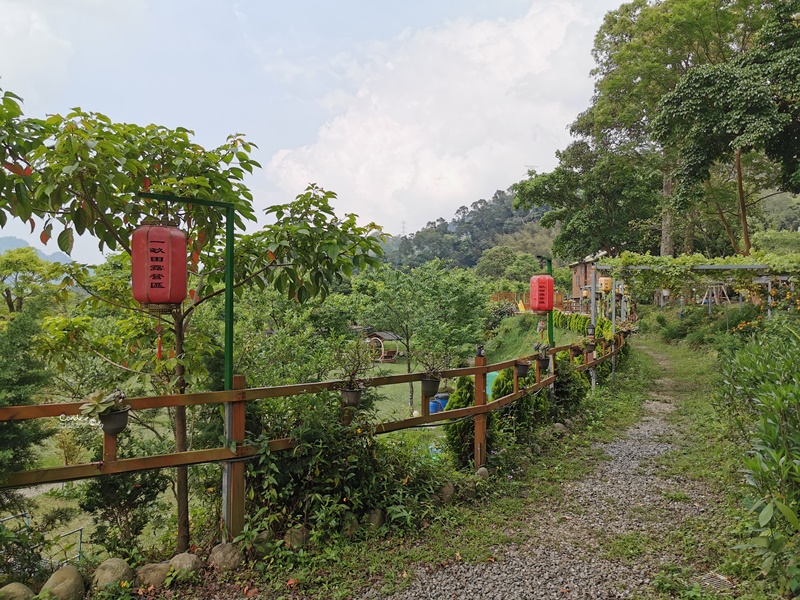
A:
{"points": [[407, 110]]}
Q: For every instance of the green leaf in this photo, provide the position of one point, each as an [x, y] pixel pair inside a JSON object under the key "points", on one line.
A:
{"points": [[788, 514], [766, 515], [65, 240]]}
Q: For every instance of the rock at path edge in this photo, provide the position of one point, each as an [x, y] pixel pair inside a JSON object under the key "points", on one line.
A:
{"points": [[16, 591], [225, 557], [154, 574], [112, 571], [66, 584]]}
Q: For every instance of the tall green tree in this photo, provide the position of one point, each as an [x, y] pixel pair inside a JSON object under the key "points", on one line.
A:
{"points": [[81, 173], [22, 377], [23, 275], [598, 196], [719, 113], [641, 51]]}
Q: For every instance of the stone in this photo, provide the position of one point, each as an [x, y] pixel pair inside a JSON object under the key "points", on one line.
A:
{"points": [[260, 547], [154, 574], [446, 493], [185, 565], [569, 423], [375, 517], [16, 591], [65, 584], [350, 528], [560, 427], [296, 537], [112, 571], [225, 557], [470, 490], [483, 473]]}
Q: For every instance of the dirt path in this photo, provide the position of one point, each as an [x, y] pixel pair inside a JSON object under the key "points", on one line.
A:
{"points": [[599, 543]]}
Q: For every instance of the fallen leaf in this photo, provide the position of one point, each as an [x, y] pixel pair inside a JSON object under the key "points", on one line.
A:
{"points": [[490, 559]]}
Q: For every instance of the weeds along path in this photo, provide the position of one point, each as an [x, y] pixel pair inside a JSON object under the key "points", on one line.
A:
{"points": [[612, 531]]}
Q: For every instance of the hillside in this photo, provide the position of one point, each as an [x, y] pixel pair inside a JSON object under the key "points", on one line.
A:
{"points": [[12, 243]]}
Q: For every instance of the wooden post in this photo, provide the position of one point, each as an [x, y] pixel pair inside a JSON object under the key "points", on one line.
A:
{"points": [[480, 420], [109, 447], [425, 408], [233, 472], [516, 380]]}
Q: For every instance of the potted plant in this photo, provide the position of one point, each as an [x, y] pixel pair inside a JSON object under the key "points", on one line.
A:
{"points": [[433, 363], [354, 359], [541, 351], [522, 367], [588, 344], [108, 409]]}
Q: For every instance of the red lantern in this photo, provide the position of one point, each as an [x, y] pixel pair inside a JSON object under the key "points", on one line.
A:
{"points": [[541, 293], [158, 263]]}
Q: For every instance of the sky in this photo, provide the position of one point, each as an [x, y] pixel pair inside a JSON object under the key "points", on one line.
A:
{"points": [[407, 110]]}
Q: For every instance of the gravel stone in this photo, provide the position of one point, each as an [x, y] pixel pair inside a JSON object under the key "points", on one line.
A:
{"points": [[565, 556]]}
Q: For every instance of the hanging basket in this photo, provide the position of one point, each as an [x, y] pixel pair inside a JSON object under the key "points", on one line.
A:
{"points": [[522, 369], [591, 346], [430, 387], [544, 363], [574, 351], [114, 422], [351, 397]]}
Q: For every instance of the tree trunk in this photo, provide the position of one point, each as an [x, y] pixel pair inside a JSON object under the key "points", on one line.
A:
{"points": [[9, 300], [688, 237], [667, 243], [727, 227], [181, 473], [742, 203]]}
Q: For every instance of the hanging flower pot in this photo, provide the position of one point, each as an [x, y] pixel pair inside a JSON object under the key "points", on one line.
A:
{"points": [[114, 422], [351, 397], [544, 364], [522, 368], [430, 387], [590, 346], [574, 351]]}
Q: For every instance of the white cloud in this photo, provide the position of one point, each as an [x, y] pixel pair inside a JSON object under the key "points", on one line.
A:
{"points": [[33, 58], [444, 116]]}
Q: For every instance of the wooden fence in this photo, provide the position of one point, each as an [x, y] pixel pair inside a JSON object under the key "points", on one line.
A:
{"points": [[235, 401]]}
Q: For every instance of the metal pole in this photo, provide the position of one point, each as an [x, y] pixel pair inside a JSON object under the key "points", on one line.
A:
{"points": [[550, 331], [622, 315], [769, 299], [229, 223], [594, 293]]}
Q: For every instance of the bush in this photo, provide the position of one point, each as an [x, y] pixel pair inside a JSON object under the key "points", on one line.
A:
{"points": [[460, 436], [570, 389], [335, 474], [123, 504], [760, 394]]}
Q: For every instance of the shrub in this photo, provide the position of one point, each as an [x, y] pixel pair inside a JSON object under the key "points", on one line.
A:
{"points": [[335, 474], [570, 389]]}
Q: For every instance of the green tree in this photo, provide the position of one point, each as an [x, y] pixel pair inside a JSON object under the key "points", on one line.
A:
{"points": [[22, 376], [494, 262], [718, 113], [83, 171], [597, 196], [23, 275], [641, 51]]}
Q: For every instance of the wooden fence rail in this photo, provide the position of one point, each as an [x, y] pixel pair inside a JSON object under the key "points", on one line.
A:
{"points": [[235, 401]]}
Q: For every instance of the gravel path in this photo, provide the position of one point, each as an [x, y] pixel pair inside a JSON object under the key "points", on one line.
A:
{"points": [[588, 548]]}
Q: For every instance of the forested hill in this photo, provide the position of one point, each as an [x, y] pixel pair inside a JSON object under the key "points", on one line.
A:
{"points": [[473, 229]]}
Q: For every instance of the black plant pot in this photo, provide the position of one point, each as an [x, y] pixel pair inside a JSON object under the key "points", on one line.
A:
{"points": [[430, 387], [522, 369], [575, 352], [351, 397], [544, 363], [114, 422], [590, 347]]}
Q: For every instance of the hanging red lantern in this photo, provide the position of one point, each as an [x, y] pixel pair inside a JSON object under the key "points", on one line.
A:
{"points": [[158, 263], [541, 293]]}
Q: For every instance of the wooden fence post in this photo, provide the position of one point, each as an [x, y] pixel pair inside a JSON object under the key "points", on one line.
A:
{"points": [[109, 447], [233, 471], [480, 420]]}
